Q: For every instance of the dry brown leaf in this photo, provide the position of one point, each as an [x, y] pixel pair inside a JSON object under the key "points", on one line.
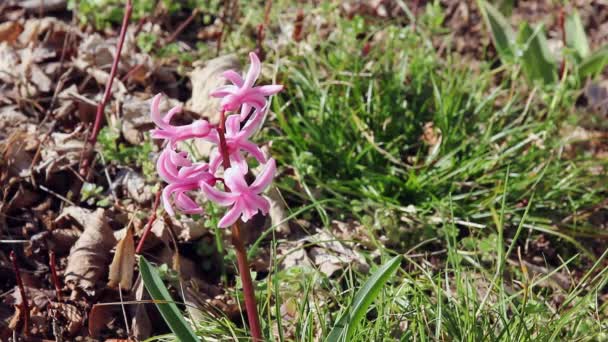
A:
{"points": [[99, 317], [39, 297], [15, 156], [39, 27], [71, 314], [332, 255], [62, 151], [121, 268], [90, 256], [141, 327], [9, 31], [63, 239]]}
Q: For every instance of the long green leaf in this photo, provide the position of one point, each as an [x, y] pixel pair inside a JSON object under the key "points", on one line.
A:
{"points": [[537, 62], [348, 322], [575, 35], [503, 35], [594, 64], [171, 314]]}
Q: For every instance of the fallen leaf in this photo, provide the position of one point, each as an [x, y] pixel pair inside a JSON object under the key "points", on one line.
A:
{"points": [[99, 317], [141, 326], [39, 297], [332, 255], [121, 268], [71, 314], [9, 31], [90, 256]]}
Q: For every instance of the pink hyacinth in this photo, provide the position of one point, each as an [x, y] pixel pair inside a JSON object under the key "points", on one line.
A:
{"points": [[175, 134], [245, 199], [242, 92], [182, 175]]}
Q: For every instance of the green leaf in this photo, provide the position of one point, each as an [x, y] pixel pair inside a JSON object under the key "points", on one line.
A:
{"points": [[575, 35], [502, 33], [348, 322], [171, 314], [537, 62], [594, 64]]}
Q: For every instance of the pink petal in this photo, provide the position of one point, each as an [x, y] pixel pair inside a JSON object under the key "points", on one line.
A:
{"points": [[166, 199], [253, 149], [166, 170], [187, 205], [179, 158], [172, 111], [231, 216], [264, 179], [215, 160], [239, 162], [253, 124], [254, 99], [233, 125], [224, 91], [271, 89], [235, 180], [254, 71], [200, 128], [155, 111], [234, 77], [218, 197], [263, 204], [245, 110]]}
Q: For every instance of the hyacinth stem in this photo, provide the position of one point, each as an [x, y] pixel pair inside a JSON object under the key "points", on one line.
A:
{"points": [[239, 246]]}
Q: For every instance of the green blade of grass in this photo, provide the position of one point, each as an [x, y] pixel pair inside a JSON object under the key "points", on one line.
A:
{"points": [[575, 35], [347, 324], [503, 35], [537, 62], [594, 64], [171, 314]]}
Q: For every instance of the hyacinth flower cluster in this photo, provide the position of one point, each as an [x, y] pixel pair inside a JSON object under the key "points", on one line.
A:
{"points": [[249, 104]]}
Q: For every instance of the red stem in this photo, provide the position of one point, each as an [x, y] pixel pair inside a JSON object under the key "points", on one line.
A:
{"points": [[140, 245], [239, 246], [92, 140], [561, 22], [24, 305], [54, 275]]}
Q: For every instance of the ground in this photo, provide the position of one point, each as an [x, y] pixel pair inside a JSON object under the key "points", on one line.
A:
{"points": [[403, 130]]}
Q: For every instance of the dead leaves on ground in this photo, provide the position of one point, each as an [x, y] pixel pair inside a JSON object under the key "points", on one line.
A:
{"points": [[88, 260]]}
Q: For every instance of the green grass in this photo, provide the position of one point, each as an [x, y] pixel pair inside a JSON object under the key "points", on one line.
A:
{"points": [[465, 214]]}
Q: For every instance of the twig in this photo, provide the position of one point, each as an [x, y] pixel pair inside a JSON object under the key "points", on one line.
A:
{"points": [[24, 305], [54, 275], [241, 254], [63, 198], [182, 26], [92, 139], [150, 222]]}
